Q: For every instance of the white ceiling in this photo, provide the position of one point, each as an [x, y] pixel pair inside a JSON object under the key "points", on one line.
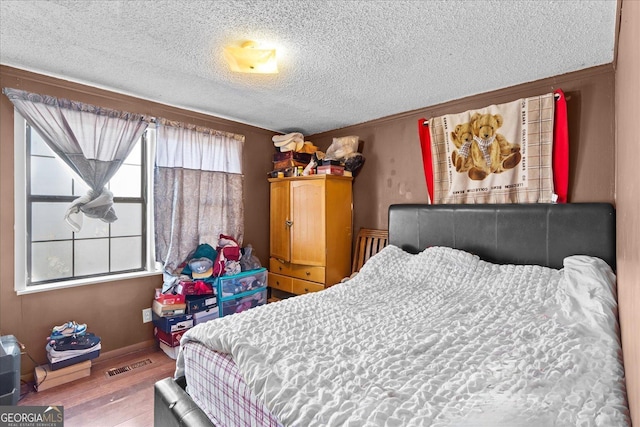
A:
{"points": [[341, 62]]}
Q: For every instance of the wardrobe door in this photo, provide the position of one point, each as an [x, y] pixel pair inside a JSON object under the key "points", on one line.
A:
{"points": [[280, 221], [308, 228]]}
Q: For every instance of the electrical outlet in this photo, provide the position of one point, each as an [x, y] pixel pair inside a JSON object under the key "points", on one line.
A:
{"points": [[146, 315]]}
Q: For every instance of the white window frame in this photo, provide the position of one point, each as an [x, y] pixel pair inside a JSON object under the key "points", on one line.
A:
{"points": [[20, 222]]}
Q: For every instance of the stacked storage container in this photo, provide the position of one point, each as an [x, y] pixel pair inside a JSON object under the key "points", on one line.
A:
{"points": [[230, 294], [242, 291]]}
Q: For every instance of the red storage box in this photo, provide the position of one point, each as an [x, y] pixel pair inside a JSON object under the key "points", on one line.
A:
{"points": [[172, 339], [330, 170], [168, 299]]}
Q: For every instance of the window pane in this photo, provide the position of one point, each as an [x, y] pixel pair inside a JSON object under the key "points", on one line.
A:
{"points": [[47, 222], [79, 187], [92, 257], [49, 177], [55, 251], [126, 182], [38, 146], [129, 219], [126, 253], [134, 157], [92, 228], [50, 260]]}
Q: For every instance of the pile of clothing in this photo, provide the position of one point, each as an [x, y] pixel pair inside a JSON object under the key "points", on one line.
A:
{"points": [[205, 264], [293, 153], [293, 141], [71, 343]]}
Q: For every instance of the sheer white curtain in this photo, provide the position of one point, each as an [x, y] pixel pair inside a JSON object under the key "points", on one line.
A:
{"points": [[92, 141], [198, 189]]}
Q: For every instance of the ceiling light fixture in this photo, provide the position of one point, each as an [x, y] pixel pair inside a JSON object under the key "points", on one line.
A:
{"points": [[250, 58]]}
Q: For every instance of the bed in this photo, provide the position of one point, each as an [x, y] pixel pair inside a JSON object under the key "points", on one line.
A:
{"points": [[473, 315]]}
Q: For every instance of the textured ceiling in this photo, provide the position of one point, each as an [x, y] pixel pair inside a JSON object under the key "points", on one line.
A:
{"points": [[341, 62]]}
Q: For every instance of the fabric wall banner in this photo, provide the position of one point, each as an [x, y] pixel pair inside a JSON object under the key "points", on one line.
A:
{"points": [[497, 154]]}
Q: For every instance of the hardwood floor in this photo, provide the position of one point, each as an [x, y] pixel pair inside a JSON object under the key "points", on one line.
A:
{"points": [[100, 400]]}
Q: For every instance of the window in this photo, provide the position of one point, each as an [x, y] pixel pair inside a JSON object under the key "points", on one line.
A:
{"points": [[51, 255]]}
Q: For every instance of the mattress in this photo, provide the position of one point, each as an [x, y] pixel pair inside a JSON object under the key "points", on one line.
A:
{"points": [[216, 386], [438, 338]]}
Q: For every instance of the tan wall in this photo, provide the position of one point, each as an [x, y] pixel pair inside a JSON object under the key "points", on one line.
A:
{"points": [[111, 310], [393, 172], [627, 96]]}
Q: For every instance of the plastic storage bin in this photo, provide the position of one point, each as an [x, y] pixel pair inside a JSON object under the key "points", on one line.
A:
{"points": [[228, 286], [242, 302], [9, 370]]}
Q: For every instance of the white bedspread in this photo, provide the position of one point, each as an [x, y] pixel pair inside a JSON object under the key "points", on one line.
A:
{"points": [[440, 338]]}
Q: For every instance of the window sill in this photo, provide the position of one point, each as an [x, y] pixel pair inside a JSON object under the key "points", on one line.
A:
{"points": [[83, 282]]}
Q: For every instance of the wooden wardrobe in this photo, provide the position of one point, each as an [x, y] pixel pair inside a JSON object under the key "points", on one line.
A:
{"points": [[310, 232]]}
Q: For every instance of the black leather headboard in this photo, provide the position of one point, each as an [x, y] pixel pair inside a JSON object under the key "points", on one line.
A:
{"points": [[541, 234]]}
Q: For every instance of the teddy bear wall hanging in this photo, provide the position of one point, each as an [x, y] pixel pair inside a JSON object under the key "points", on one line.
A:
{"points": [[498, 154]]}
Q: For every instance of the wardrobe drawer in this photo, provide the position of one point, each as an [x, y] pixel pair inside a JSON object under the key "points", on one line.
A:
{"points": [[278, 281], [300, 287], [305, 272]]}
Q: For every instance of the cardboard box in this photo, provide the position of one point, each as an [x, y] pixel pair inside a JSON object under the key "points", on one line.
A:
{"points": [[165, 310], [325, 162], [172, 352], [330, 170], [292, 155], [168, 298], [56, 364], [172, 339], [47, 378], [173, 323], [197, 303], [206, 315], [284, 164]]}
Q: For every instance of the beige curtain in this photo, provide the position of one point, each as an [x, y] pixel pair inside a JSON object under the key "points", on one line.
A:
{"points": [[198, 190]]}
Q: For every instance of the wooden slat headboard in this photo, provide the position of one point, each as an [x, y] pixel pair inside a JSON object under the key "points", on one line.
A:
{"points": [[541, 234]]}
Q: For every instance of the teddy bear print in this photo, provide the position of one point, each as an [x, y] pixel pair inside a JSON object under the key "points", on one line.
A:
{"points": [[490, 152], [462, 138]]}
